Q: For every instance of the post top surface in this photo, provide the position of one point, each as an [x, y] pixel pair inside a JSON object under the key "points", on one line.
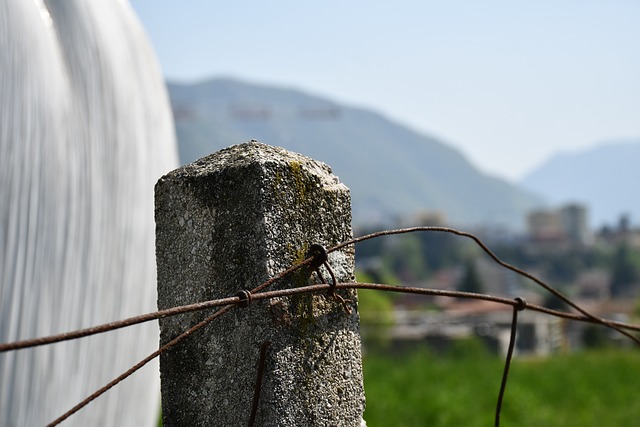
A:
{"points": [[245, 154]]}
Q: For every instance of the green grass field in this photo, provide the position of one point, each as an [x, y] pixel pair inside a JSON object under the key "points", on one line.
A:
{"points": [[584, 389]]}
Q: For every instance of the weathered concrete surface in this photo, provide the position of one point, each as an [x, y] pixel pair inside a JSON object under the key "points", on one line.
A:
{"points": [[229, 222]]}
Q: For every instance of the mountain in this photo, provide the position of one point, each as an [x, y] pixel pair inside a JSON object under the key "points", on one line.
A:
{"points": [[603, 177], [390, 169]]}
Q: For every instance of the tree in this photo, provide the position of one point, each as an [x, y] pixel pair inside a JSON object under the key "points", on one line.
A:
{"points": [[625, 270], [439, 250], [376, 314], [404, 258], [553, 302], [471, 281]]}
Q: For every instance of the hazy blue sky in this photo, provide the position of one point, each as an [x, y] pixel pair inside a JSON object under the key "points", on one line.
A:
{"points": [[507, 82]]}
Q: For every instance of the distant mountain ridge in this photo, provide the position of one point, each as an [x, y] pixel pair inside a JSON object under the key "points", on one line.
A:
{"points": [[390, 169], [604, 177]]}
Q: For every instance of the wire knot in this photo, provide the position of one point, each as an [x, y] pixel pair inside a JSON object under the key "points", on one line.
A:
{"points": [[319, 255], [521, 304], [245, 298], [320, 258]]}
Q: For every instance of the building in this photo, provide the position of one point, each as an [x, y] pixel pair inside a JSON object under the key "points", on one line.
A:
{"points": [[575, 224], [566, 225]]}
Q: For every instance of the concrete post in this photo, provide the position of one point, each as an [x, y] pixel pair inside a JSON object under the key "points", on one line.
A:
{"points": [[229, 222]]}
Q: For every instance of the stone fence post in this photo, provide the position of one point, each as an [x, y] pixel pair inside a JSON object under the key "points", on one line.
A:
{"points": [[226, 223]]}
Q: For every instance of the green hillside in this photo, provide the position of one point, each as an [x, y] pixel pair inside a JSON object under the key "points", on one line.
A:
{"points": [[390, 169]]}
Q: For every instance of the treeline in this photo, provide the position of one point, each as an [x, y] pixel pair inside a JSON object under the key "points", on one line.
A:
{"points": [[410, 258], [417, 257]]}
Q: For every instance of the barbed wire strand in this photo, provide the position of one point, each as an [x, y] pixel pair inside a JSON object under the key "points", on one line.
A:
{"points": [[485, 297], [18, 345], [520, 305], [106, 327], [115, 325], [258, 387], [229, 303], [139, 365], [214, 303], [174, 342], [318, 289], [495, 258]]}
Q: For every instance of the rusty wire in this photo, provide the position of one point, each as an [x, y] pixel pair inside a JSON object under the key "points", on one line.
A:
{"points": [[520, 305], [495, 258], [80, 333], [111, 326], [320, 289], [244, 298], [258, 387], [236, 300], [310, 260], [138, 365], [17, 345]]}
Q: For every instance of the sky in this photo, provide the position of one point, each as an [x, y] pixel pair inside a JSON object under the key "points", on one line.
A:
{"points": [[507, 82]]}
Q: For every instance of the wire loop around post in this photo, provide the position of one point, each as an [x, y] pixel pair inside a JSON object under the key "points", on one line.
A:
{"points": [[521, 304], [319, 255], [245, 298]]}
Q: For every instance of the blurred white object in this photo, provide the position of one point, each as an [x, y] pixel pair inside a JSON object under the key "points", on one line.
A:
{"points": [[85, 132]]}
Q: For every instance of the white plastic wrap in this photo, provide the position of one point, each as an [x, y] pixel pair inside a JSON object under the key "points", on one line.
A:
{"points": [[85, 132]]}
